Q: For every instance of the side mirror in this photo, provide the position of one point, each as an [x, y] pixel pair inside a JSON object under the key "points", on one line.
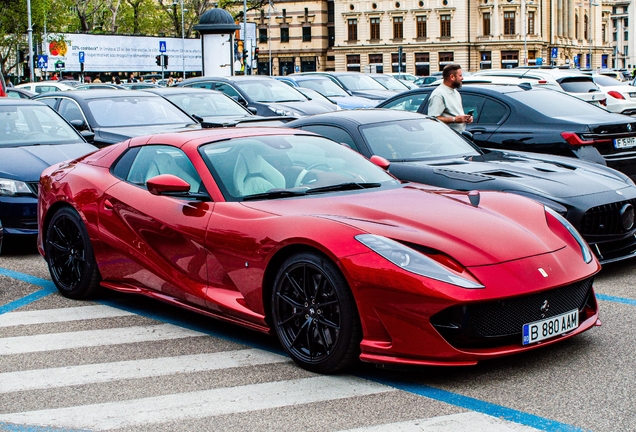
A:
{"points": [[252, 110], [381, 162], [79, 125], [468, 135], [88, 135], [167, 184]]}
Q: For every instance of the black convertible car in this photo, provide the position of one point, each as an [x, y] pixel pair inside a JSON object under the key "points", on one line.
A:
{"points": [[597, 200], [539, 120]]}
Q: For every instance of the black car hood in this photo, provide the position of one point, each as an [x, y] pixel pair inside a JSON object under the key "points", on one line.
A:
{"points": [[544, 175], [112, 135], [26, 163]]}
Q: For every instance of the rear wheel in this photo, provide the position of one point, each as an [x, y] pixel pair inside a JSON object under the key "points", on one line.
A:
{"points": [[69, 254], [314, 314]]}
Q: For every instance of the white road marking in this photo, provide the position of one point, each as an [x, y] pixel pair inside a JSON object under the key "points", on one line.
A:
{"points": [[200, 404], [469, 421], [60, 315], [92, 338], [104, 372]]}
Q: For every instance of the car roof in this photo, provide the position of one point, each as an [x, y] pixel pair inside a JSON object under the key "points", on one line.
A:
{"points": [[179, 90], [366, 116], [100, 94], [6, 101]]}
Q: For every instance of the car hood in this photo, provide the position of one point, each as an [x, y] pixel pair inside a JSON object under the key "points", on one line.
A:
{"points": [[26, 163], [379, 95], [442, 220], [548, 176], [112, 135], [352, 102], [303, 107]]}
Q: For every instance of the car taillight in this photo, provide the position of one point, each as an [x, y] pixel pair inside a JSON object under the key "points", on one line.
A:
{"points": [[574, 139], [542, 82], [615, 94]]}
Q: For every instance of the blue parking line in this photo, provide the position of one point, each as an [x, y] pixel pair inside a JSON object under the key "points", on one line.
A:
{"points": [[48, 288], [10, 427], [448, 397]]}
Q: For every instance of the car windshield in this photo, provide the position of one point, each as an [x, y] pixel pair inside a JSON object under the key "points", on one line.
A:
{"points": [[390, 82], [415, 139], [34, 124], [207, 104], [360, 82], [135, 111], [280, 166], [270, 91], [551, 103], [324, 86]]}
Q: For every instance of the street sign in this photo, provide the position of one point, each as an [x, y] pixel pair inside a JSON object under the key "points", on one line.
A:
{"points": [[59, 65], [81, 56], [162, 46], [43, 62], [555, 53]]}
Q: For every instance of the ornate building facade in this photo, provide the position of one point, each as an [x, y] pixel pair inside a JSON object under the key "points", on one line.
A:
{"points": [[369, 35]]}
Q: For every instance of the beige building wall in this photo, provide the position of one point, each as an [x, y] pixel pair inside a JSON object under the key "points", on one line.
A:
{"points": [[519, 32]]}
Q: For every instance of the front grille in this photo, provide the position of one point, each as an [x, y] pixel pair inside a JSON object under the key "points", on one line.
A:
{"points": [[604, 219], [500, 322], [34, 187]]}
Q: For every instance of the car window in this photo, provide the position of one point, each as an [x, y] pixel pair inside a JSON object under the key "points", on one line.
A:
{"points": [[415, 140], [551, 103], [606, 81], [207, 104], [155, 160], [411, 102], [44, 89], [486, 110], [228, 90], [578, 85], [206, 85], [325, 87], [270, 91], [135, 111], [360, 82], [34, 124], [50, 101], [334, 133], [70, 110]]}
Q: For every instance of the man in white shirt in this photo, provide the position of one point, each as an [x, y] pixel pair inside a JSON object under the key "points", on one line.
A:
{"points": [[445, 102]]}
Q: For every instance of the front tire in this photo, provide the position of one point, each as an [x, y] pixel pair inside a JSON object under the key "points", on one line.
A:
{"points": [[69, 255], [314, 314]]}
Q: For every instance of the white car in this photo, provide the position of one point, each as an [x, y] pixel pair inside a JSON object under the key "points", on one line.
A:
{"points": [[45, 86], [569, 81], [621, 97]]}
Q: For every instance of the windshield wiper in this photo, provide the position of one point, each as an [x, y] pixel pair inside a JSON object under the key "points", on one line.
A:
{"points": [[343, 187], [277, 193]]}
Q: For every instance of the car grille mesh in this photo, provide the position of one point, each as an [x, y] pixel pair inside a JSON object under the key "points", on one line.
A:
{"points": [[500, 322], [34, 187], [604, 219]]}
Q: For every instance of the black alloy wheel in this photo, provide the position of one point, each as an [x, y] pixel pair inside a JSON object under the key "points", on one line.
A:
{"points": [[315, 315], [69, 254]]}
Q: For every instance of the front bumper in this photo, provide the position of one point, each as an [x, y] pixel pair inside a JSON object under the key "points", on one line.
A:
{"points": [[19, 215]]}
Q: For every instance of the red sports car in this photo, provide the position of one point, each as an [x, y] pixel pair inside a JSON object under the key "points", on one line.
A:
{"points": [[286, 232]]}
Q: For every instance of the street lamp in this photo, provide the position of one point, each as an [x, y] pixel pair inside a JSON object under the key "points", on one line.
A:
{"points": [[174, 3]]}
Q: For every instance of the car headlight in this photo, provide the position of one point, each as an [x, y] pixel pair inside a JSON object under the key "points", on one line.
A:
{"points": [[585, 249], [284, 112], [412, 260], [10, 187]]}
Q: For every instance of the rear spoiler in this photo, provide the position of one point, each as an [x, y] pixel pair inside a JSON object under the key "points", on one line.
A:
{"points": [[269, 122]]}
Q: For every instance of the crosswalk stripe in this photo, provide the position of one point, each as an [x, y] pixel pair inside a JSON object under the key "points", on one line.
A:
{"points": [[104, 372], [60, 315], [468, 421], [91, 338], [200, 404]]}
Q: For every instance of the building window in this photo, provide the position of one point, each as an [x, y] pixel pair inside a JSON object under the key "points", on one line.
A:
{"points": [[352, 29], [375, 28], [509, 59], [445, 26], [262, 35], [375, 63], [307, 34], [395, 65], [486, 23], [446, 58], [331, 35], [398, 28], [284, 34], [531, 23], [486, 60], [509, 23], [576, 27], [421, 26], [330, 12], [422, 64], [353, 62], [286, 65], [586, 27]]}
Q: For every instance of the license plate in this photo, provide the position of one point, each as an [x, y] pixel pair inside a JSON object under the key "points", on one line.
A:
{"points": [[620, 143], [550, 327]]}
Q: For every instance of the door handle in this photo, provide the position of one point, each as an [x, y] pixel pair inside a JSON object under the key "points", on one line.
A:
{"points": [[475, 130], [108, 205]]}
